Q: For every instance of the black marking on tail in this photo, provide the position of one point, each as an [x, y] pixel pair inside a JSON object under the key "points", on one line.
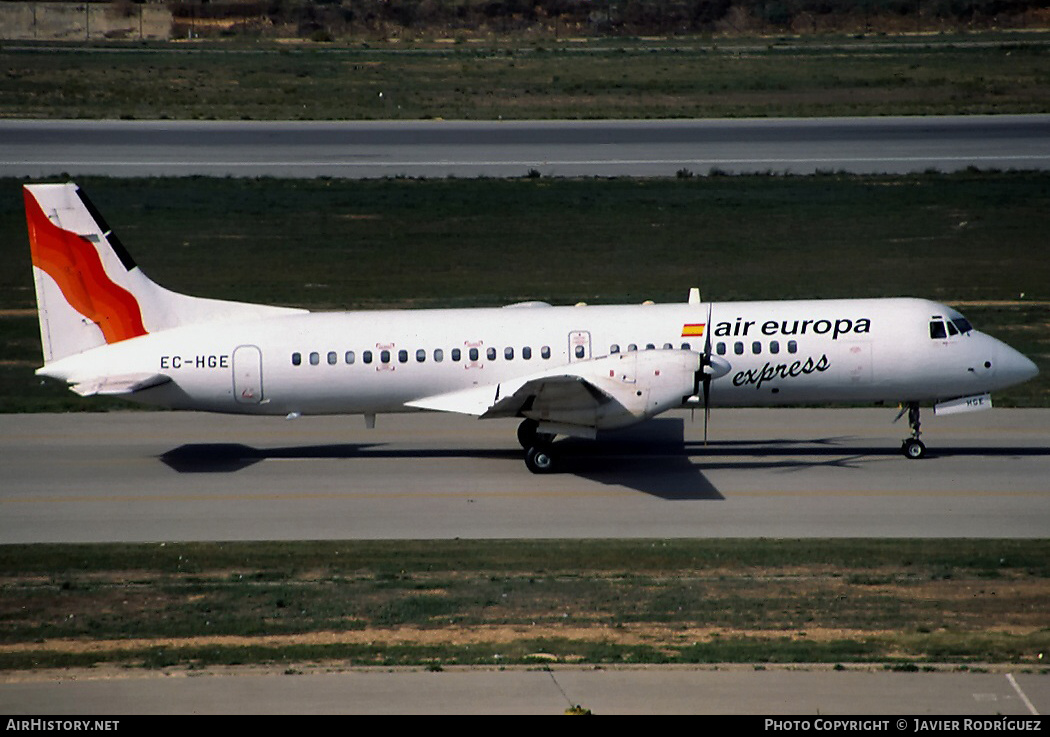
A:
{"points": [[114, 241]]}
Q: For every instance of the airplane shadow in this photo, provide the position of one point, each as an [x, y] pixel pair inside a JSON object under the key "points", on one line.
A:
{"points": [[664, 473], [654, 458], [231, 457]]}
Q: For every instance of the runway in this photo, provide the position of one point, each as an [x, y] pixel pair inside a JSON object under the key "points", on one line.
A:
{"points": [[788, 473], [679, 690], [41, 148]]}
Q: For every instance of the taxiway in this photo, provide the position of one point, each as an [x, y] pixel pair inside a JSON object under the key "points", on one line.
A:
{"points": [[666, 690], [789, 473], [895, 145]]}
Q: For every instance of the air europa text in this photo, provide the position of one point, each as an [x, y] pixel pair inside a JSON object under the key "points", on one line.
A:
{"points": [[837, 327]]}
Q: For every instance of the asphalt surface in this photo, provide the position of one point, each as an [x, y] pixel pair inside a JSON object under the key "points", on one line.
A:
{"points": [[794, 473], [677, 690], [42, 148], [141, 476]]}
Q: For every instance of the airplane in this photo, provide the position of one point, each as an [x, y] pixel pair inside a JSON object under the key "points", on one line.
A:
{"points": [[107, 329]]}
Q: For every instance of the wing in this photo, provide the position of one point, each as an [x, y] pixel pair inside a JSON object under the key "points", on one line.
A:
{"points": [[550, 395], [611, 391], [493, 400]]}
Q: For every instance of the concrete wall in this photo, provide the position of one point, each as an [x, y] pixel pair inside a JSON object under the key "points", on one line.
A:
{"points": [[54, 21]]}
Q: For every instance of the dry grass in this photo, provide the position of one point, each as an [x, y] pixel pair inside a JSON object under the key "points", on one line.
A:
{"points": [[474, 603], [615, 79]]}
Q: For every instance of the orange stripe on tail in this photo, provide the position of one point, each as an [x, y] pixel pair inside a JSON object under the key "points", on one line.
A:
{"points": [[73, 262]]}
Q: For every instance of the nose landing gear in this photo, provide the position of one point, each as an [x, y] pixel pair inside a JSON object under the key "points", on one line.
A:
{"points": [[912, 447]]}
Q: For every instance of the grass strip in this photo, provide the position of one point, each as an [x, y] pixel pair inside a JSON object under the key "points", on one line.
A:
{"points": [[619, 78], [490, 602]]}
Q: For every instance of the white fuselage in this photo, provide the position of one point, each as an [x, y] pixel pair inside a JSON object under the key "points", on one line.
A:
{"points": [[788, 352]]}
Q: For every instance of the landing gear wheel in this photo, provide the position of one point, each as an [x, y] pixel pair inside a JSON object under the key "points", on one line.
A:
{"points": [[539, 459], [913, 449], [529, 435]]}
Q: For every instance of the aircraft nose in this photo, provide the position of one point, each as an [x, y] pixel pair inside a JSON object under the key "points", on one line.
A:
{"points": [[1013, 367]]}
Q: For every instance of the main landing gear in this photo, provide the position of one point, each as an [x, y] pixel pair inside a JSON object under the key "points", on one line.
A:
{"points": [[539, 458], [912, 447]]}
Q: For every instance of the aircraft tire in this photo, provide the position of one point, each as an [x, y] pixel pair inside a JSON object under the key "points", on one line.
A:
{"points": [[913, 449], [539, 459], [527, 433]]}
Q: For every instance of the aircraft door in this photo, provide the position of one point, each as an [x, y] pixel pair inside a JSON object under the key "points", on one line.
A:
{"points": [[579, 345], [247, 375]]}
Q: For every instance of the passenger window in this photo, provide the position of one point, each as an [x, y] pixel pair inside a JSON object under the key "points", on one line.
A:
{"points": [[456, 354], [649, 347], [402, 356], [439, 355], [756, 347], [545, 352], [792, 346], [526, 353], [686, 347], [333, 358], [668, 346], [738, 348], [315, 358], [350, 357], [632, 347], [421, 355], [614, 348], [491, 354], [937, 330], [720, 349], [508, 353], [774, 347], [367, 356], [580, 352], [384, 356], [473, 354], [297, 359]]}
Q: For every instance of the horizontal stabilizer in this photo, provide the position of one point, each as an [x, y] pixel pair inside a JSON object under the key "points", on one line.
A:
{"points": [[117, 385]]}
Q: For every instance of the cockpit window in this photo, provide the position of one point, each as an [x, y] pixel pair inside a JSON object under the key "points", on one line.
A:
{"points": [[943, 327]]}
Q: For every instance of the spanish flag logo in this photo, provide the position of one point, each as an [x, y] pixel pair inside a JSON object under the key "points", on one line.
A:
{"points": [[693, 330]]}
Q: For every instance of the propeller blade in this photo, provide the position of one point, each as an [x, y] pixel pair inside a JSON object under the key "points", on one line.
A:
{"points": [[705, 362]]}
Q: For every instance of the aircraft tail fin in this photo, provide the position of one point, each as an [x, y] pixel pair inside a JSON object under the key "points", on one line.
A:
{"points": [[89, 289]]}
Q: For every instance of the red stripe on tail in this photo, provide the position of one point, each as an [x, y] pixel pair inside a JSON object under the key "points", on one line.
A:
{"points": [[73, 262]]}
